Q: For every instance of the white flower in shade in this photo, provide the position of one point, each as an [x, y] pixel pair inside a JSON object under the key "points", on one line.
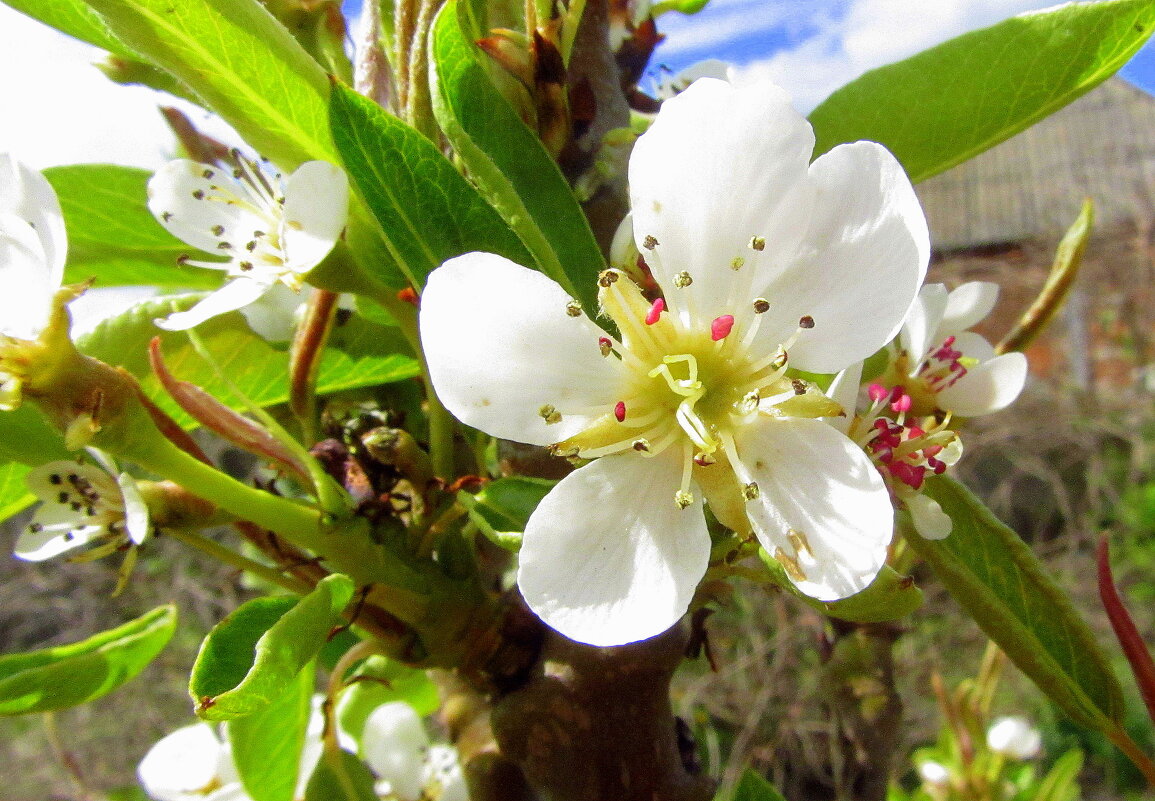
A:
{"points": [[950, 368], [272, 230], [765, 262], [32, 252], [1014, 737], [934, 773], [82, 505], [191, 764], [395, 745]]}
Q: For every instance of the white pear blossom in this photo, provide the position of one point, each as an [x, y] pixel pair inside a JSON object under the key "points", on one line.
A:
{"points": [[33, 246], [1014, 737], [765, 262], [949, 367], [408, 766], [82, 505], [272, 230], [191, 764]]}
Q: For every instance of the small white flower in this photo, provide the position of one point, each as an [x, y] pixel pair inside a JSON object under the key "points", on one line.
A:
{"points": [[82, 504], [949, 367], [933, 773], [395, 746], [1014, 737], [272, 230], [765, 262]]}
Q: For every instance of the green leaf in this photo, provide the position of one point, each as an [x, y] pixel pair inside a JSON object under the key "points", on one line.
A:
{"points": [[112, 235], [385, 681], [340, 776], [359, 354], [427, 212], [26, 437], [753, 787], [267, 744], [74, 18], [252, 656], [1061, 783], [891, 596], [70, 675], [997, 579], [951, 102], [14, 495], [508, 162], [243, 63]]}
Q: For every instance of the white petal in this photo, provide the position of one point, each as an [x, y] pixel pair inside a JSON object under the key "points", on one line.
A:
{"points": [[27, 283], [501, 345], [48, 543], [969, 304], [236, 294], [987, 387], [179, 196], [274, 315], [136, 519], [861, 265], [930, 521], [974, 347], [844, 390], [394, 746], [26, 193], [720, 166], [181, 763], [923, 320], [608, 557], [817, 482], [316, 207]]}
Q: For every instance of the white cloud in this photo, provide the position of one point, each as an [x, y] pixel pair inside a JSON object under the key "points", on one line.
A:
{"points": [[845, 39], [60, 109]]}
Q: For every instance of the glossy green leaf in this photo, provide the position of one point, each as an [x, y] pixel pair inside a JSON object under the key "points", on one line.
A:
{"points": [[243, 63], [951, 102], [14, 495], [112, 236], [267, 744], [340, 776], [891, 596], [753, 787], [74, 18], [997, 579], [70, 675], [359, 354], [251, 658], [427, 211], [385, 680], [508, 162]]}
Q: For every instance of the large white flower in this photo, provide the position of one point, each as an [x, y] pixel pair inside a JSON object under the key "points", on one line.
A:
{"points": [[272, 230], [949, 367], [82, 505], [766, 262]]}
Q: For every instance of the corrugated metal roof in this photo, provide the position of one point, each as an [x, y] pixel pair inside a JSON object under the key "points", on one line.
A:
{"points": [[1032, 185]]}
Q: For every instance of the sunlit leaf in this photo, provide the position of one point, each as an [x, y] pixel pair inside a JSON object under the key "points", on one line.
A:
{"points": [[946, 104], [266, 745]]}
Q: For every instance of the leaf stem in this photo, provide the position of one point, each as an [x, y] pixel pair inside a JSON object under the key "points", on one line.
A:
{"points": [[230, 557], [1125, 744]]}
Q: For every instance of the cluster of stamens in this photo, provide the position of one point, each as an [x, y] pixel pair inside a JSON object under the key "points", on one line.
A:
{"points": [[904, 450], [693, 381], [95, 514], [942, 366]]}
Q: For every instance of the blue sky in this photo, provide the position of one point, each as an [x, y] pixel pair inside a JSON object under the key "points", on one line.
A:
{"points": [[809, 46]]}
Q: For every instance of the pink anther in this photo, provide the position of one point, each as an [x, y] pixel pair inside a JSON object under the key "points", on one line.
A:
{"points": [[655, 312], [721, 327], [620, 411]]}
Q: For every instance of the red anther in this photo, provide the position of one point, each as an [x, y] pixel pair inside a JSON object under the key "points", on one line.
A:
{"points": [[932, 450], [721, 327], [620, 411], [884, 454], [407, 295], [655, 312], [914, 432], [877, 392], [882, 424], [938, 467], [902, 403]]}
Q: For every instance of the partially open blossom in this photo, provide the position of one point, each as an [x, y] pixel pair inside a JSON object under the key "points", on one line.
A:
{"points": [[32, 252], [82, 506], [192, 763], [944, 366], [272, 230], [765, 262]]}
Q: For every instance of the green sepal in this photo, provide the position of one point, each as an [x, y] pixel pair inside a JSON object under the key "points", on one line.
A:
{"points": [[379, 680], [252, 657], [502, 507], [340, 776], [1001, 584], [944, 105], [891, 596], [70, 675]]}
